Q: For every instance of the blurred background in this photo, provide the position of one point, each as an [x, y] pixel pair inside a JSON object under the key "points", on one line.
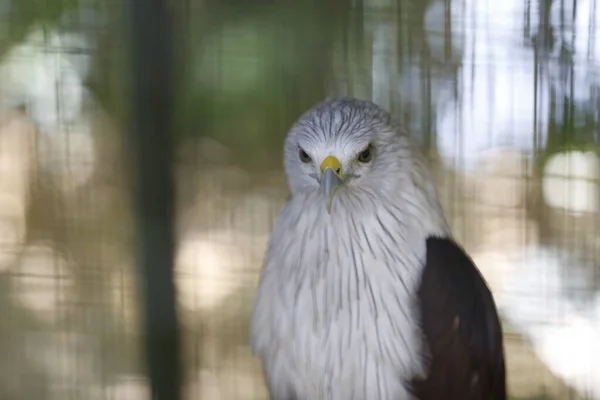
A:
{"points": [[504, 97]]}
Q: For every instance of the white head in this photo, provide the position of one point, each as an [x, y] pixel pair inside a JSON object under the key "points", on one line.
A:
{"points": [[350, 146]]}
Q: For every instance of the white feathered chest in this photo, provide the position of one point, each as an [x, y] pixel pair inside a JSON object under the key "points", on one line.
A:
{"points": [[335, 316]]}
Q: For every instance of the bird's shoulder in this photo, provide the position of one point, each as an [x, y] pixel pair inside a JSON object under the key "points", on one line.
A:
{"points": [[461, 326]]}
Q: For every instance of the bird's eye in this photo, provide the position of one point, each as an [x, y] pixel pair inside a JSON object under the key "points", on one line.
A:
{"points": [[304, 157], [366, 155]]}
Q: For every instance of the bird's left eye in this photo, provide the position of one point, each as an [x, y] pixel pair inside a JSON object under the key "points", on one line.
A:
{"points": [[366, 155]]}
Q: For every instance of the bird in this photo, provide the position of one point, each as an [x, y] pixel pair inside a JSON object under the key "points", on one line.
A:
{"points": [[364, 294]]}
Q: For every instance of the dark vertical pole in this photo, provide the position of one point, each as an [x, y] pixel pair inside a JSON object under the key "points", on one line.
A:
{"points": [[151, 134]]}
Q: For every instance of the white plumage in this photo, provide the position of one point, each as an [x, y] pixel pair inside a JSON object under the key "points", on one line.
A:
{"points": [[335, 316]]}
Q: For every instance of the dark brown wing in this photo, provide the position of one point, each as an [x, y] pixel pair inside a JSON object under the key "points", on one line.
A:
{"points": [[461, 327]]}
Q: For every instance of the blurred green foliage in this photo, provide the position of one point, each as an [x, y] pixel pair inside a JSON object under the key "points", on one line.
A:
{"points": [[247, 70], [19, 16]]}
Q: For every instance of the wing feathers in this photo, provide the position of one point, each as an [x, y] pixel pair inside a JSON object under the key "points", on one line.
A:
{"points": [[461, 327]]}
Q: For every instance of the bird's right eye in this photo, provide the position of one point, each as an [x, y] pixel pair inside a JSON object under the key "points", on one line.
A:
{"points": [[304, 157]]}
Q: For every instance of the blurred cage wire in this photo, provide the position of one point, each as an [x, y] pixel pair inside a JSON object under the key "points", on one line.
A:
{"points": [[503, 96]]}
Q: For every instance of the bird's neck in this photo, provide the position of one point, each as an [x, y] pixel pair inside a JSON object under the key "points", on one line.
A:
{"points": [[407, 209]]}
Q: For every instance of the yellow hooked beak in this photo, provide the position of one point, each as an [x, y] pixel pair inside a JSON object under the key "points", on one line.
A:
{"points": [[331, 178]]}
